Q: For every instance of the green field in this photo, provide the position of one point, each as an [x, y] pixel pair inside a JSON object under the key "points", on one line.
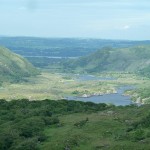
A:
{"points": [[58, 86]]}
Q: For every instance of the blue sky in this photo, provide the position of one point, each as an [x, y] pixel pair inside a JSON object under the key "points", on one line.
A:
{"points": [[105, 19]]}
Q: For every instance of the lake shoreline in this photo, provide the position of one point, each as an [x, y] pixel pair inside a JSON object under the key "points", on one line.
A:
{"points": [[118, 98]]}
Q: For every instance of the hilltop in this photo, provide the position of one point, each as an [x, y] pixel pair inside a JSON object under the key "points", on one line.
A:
{"points": [[14, 67], [133, 59]]}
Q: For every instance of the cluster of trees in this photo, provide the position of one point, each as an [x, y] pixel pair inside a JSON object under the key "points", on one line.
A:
{"points": [[138, 130], [45, 62], [22, 122], [145, 71]]}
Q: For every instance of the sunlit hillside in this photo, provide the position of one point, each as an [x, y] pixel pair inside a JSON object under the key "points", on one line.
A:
{"points": [[132, 59], [13, 67]]}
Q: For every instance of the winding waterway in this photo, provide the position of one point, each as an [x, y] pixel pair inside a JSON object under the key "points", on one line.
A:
{"points": [[118, 99]]}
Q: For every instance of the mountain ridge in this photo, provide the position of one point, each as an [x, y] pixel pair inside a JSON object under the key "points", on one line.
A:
{"points": [[133, 59], [13, 67]]}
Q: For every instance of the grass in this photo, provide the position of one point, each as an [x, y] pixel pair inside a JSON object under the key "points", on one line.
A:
{"points": [[104, 130], [14, 67], [58, 86], [73, 125]]}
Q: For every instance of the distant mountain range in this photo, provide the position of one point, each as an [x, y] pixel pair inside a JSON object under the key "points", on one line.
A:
{"points": [[62, 47], [133, 59], [13, 67]]}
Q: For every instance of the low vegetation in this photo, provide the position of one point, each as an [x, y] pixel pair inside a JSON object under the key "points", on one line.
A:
{"points": [[22, 123], [58, 86], [72, 125], [13, 67]]}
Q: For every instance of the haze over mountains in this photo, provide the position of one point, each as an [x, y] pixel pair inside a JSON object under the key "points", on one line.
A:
{"points": [[62, 47]]}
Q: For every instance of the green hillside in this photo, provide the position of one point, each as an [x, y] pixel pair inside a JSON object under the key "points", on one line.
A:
{"points": [[73, 125], [113, 59], [13, 67]]}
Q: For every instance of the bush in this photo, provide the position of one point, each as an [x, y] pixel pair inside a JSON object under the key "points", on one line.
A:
{"points": [[23, 122]]}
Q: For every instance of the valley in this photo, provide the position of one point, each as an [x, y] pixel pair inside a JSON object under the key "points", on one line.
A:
{"points": [[58, 86], [93, 102], [71, 78], [74, 75]]}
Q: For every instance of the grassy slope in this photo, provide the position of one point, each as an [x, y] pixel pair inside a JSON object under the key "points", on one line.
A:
{"points": [[104, 130], [109, 59], [13, 66], [72, 125], [22, 122]]}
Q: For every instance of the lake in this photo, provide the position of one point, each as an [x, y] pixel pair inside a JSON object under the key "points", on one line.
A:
{"points": [[117, 99], [92, 77], [54, 57]]}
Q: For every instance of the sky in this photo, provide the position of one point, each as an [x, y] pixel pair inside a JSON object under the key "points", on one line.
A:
{"points": [[105, 19]]}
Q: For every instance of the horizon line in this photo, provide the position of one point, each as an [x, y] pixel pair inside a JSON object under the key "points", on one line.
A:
{"points": [[67, 37]]}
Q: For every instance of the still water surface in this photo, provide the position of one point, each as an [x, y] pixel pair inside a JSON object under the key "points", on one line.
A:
{"points": [[116, 99]]}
